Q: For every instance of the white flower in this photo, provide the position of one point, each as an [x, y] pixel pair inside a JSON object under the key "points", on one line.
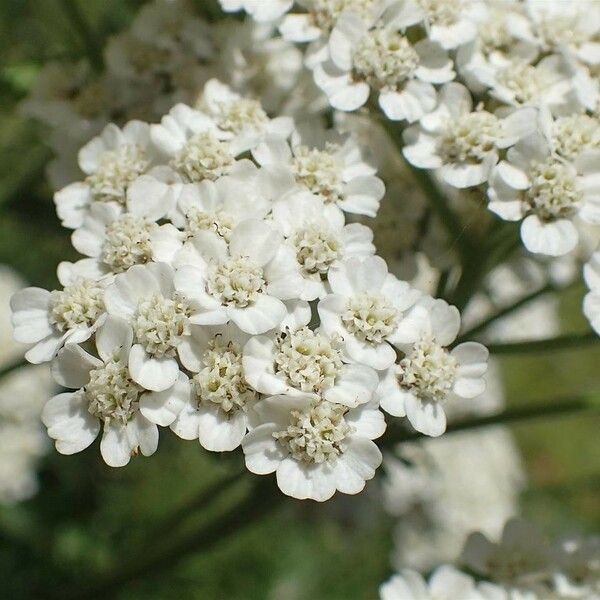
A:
{"points": [[315, 447], [366, 56], [216, 412], [366, 310], [243, 117], [114, 239], [321, 17], [498, 42], [335, 171], [564, 26], [521, 554], [260, 10], [464, 144], [547, 193], [446, 583], [229, 281], [317, 238], [217, 206], [107, 398], [48, 320], [429, 375], [196, 148], [160, 316], [571, 135], [447, 22], [300, 361], [552, 82], [112, 162], [591, 301]]}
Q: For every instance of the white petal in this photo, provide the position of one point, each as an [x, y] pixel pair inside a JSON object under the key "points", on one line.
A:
{"points": [[264, 314], [262, 452], [71, 368], [114, 337], [30, 315], [427, 417], [303, 481], [354, 385], [416, 99], [362, 195], [219, 432], [115, 446], [555, 238], [357, 465], [70, 423], [163, 407], [256, 240], [156, 374]]}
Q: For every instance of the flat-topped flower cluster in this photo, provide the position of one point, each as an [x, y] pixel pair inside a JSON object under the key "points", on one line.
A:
{"points": [[500, 97], [225, 292]]}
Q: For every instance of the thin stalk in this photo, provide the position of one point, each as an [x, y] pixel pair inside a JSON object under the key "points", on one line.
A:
{"points": [[164, 554], [561, 342], [504, 312], [456, 230], [89, 39], [395, 435]]}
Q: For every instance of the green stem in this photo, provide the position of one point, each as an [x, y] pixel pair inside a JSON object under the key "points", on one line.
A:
{"points": [[395, 434], [504, 312], [456, 230], [561, 342], [8, 369], [90, 42], [164, 553]]}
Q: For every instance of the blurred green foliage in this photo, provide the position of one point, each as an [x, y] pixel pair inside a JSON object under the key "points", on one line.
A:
{"points": [[89, 519]]}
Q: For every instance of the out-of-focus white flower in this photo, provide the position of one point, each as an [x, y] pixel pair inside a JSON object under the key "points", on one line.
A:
{"points": [[315, 448], [547, 193], [446, 583], [462, 143], [429, 375], [591, 302], [365, 55], [22, 395], [111, 161]]}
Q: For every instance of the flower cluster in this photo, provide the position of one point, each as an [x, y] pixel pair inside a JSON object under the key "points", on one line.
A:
{"points": [[226, 292], [166, 55], [499, 98], [523, 564]]}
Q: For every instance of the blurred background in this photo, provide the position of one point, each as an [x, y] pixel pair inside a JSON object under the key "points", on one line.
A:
{"points": [[67, 68]]}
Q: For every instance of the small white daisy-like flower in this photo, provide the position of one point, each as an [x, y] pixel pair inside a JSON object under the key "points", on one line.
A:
{"points": [[160, 316], [108, 399], [314, 447], [553, 82], [365, 55], [429, 375], [48, 320], [572, 27], [335, 171], [240, 116], [547, 193], [591, 301], [366, 309], [112, 162], [300, 361], [498, 42], [316, 235], [462, 143], [216, 412], [217, 206], [196, 148], [230, 282], [116, 240], [447, 22], [446, 583], [571, 135]]}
